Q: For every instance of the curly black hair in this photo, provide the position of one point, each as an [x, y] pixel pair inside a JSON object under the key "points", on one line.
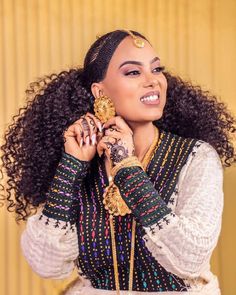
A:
{"points": [[34, 141]]}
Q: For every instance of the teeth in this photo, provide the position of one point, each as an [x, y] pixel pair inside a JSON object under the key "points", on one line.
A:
{"points": [[150, 98]]}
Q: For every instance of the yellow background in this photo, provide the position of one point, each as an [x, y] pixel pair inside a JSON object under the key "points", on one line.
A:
{"points": [[195, 39]]}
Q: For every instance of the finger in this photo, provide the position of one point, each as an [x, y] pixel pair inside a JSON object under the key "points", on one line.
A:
{"points": [[87, 129], [109, 139], [74, 131], [79, 133], [95, 126], [97, 122], [112, 133], [99, 137], [92, 123], [101, 147], [119, 122], [78, 122], [68, 132]]}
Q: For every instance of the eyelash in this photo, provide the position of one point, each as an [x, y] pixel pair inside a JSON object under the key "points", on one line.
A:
{"points": [[160, 69]]}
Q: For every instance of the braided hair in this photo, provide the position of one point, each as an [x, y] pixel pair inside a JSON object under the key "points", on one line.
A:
{"points": [[34, 140]]}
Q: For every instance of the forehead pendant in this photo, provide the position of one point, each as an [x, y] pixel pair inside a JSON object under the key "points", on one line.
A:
{"points": [[138, 42]]}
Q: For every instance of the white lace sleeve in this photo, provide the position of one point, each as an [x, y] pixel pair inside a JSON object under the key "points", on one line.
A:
{"points": [[185, 243], [49, 250]]}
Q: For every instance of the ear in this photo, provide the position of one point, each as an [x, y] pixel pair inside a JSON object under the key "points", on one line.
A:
{"points": [[96, 89]]}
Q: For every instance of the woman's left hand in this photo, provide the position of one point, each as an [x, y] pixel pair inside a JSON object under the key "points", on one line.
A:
{"points": [[117, 143]]}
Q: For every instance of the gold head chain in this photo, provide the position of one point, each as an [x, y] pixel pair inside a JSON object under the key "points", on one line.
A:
{"points": [[138, 42]]}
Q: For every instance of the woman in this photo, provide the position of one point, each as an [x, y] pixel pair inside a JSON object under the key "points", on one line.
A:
{"points": [[124, 163]]}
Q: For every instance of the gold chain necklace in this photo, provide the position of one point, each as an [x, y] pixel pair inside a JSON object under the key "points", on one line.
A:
{"points": [[145, 163]]}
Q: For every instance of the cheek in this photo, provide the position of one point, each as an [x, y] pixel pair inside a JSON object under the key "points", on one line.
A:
{"points": [[163, 82], [122, 94], [163, 86]]}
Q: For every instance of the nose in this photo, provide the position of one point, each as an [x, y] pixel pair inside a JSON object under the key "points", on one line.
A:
{"points": [[150, 81]]}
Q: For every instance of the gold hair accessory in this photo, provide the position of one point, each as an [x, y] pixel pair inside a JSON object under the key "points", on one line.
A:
{"points": [[104, 108], [138, 42], [98, 36]]}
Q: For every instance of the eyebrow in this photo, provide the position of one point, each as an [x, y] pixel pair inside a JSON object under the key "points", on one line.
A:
{"points": [[138, 62]]}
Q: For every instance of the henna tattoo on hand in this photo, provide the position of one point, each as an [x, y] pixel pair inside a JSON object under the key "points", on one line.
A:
{"points": [[92, 123], [118, 151], [85, 125]]}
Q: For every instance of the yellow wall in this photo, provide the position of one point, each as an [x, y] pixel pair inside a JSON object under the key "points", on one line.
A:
{"points": [[194, 38]]}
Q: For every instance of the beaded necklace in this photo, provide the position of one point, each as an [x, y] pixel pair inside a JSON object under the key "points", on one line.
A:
{"points": [[144, 163]]}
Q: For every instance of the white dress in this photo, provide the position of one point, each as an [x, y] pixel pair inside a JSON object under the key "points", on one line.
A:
{"points": [[183, 247]]}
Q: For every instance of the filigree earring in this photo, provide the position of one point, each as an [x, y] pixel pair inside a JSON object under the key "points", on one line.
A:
{"points": [[104, 108]]}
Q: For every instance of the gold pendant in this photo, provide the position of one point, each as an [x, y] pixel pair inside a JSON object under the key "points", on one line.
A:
{"points": [[139, 42], [113, 201]]}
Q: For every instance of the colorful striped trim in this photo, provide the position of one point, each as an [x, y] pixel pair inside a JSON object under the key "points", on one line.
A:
{"points": [[147, 194], [61, 201], [140, 195]]}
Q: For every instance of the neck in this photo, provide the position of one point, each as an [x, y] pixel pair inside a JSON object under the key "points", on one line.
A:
{"points": [[143, 138]]}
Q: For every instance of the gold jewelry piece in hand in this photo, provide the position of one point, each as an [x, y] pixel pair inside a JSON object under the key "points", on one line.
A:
{"points": [[112, 199]]}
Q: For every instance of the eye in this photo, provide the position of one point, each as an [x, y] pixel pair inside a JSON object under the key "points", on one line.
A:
{"points": [[132, 73], [159, 69]]}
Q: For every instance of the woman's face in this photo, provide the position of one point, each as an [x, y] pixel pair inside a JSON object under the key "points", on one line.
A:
{"points": [[135, 83]]}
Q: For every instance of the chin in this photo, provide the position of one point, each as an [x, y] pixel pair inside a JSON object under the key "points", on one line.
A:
{"points": [[154, 117], [143, 117]]}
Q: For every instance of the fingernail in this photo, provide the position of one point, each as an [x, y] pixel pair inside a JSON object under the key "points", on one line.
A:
{"points": [[81, 142], [87, 140], [100, 126], [93, 138]]}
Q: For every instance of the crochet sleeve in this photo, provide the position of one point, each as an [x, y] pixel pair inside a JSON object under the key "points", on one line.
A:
{"points": [[181, 239], [49, 241]]}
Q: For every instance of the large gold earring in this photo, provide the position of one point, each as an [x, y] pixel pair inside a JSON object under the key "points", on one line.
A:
{"points": [[104, 108]]}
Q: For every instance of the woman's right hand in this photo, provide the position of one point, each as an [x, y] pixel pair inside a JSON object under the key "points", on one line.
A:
{"points": [[81, 137]]}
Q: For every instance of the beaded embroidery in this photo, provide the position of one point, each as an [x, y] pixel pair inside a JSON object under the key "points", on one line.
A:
{"points": [[92, 220], [95, 258]]}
